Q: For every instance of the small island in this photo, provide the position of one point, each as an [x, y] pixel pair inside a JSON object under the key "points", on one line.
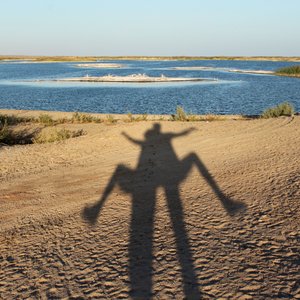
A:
{"points": [[201, 68], [290, 71], [133, 78], [100, 65]]}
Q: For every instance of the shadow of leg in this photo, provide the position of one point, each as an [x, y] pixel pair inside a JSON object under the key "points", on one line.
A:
{"points": [[141, 245], [231, 206], [190, 280], [91, 213]]}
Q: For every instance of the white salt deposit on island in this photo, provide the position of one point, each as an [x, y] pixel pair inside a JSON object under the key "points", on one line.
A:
{"points": [[224, 70], [100, 65], [136, 78]]}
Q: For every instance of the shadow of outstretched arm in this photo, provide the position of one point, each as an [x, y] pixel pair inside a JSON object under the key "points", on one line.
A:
{"points": [[132, 140], [183, 133]]}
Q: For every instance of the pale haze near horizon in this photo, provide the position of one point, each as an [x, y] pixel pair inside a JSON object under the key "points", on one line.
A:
{"points": [[165, 28]]}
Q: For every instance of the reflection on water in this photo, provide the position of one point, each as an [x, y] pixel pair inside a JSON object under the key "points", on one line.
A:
{"points": [[233, 93]]}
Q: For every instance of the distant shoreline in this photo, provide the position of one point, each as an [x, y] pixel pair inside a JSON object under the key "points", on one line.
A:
{"points": [[147, 58]]}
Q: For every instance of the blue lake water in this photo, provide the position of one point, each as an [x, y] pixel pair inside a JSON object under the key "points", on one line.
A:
{"points": [[231, 93]]}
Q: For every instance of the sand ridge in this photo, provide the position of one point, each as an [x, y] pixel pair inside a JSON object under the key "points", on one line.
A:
{"points": [[50, 248]]}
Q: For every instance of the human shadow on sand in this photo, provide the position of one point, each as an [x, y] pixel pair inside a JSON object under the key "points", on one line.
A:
{"points": [[158, 166]]}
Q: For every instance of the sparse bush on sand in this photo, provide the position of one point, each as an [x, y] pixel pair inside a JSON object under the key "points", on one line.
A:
{"points": [[12, 135], [132, 118], [45, 119], [180, 115], [84, 118], [9, 137], [13, 120], [282, 109], [110, 119], [56, 135], [142, 117], [4, 131]]}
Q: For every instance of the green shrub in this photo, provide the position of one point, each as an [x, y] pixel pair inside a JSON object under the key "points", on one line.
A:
{"points": [[282, 109], [292, 70], [16, 137], [62, 121], [142, 117], [56, 136], [84, 118], [81, 118], [110, 119], [4, 132], [130, 117], [45, 119], [13, 120], [180, 114]]}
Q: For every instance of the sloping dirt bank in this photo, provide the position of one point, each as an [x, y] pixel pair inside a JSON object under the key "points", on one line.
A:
{"points": [[154, 210]]}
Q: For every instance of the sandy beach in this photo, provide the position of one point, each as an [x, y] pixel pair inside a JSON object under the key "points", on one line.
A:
{"points": [[153, 210]]}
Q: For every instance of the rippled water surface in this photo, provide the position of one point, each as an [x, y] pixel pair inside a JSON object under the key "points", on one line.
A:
{"points": [[31, 86]]}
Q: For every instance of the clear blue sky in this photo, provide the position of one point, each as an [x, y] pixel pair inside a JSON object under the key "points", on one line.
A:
{"points": [[144, 27]]}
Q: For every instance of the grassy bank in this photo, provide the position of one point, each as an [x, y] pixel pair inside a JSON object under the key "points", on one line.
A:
{"points": [[27, 127], [53, 118], [293, 71], [21, 130]]}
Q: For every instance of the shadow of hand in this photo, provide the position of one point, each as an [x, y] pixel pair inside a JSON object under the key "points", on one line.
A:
{"points": [[234, 207], [192, 129], [90, 214]]}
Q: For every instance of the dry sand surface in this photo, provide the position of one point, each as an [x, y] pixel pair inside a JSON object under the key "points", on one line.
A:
{"points": [[134, 211]]}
